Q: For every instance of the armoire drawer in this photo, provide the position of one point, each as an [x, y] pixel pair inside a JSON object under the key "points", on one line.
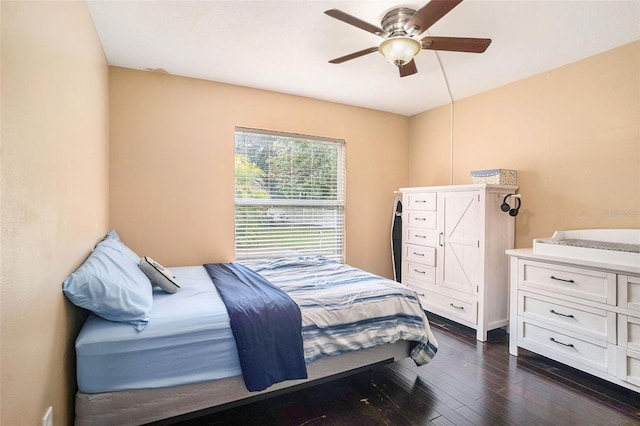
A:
{"points": [[450, 306], [421, 254], [421, 219], [420, 287], [421, 236], [566, 346], [419, 272], [597, 286], [573, 317], [421, 201]]}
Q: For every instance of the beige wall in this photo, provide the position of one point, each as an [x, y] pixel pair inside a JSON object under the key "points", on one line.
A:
{"points": [[172, 169], [573, 135], [54, 187]]}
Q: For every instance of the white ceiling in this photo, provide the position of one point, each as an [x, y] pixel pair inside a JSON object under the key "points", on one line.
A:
{"points": [[285, 46]]}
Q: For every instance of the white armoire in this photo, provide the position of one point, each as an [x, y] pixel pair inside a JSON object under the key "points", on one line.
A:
{"points": [[453, 252]]}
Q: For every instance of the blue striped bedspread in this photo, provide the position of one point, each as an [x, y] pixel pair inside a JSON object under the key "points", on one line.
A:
{"points": [[346, 309]]}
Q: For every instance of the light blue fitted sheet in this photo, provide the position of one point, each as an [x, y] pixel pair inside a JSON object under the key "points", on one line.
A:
{"points": [[188, 340]]}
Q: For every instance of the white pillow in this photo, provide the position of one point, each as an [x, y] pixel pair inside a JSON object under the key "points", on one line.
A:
{"points": [[158, 275]]}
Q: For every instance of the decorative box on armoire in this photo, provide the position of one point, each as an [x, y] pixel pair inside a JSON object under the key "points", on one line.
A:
{"points": [[453, 252]]}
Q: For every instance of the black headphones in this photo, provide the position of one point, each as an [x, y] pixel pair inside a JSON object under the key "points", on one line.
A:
{"points": [[505, 207]]}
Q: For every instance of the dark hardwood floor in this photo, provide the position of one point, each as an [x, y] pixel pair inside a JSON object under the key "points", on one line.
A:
{"points": [[467, 383]]}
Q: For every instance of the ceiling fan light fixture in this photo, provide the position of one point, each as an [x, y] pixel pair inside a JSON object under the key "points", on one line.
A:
{"points": [[399, 50]]}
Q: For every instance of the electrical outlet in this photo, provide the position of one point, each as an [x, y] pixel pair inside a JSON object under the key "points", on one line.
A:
{"points": [[47, 419]]}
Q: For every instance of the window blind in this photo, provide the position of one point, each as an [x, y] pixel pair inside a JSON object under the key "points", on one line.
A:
{"points": [[289, 195]]}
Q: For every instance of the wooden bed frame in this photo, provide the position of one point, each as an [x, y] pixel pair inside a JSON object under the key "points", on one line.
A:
{"points": [[168, 405]]}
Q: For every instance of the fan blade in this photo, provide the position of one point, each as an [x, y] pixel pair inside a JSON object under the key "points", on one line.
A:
{"points": [[456, 44], [428, 15], [408, 69], [352, 20], [353, 55]]}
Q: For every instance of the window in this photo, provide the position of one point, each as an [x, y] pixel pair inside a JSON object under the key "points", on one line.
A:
{"points": [[289, 195]]}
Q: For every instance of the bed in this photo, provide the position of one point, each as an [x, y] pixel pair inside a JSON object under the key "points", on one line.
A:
{"points": [[182, 356]]}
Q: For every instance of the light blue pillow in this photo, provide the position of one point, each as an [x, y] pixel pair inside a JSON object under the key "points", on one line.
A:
{"points": [[110, 284], [123, 248]]}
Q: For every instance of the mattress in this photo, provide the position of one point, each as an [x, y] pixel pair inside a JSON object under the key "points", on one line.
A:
{"points": [[142, 406], [188, 340]]}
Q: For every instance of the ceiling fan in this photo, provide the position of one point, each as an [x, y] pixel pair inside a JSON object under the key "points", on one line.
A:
{"points": [[400, 26]]}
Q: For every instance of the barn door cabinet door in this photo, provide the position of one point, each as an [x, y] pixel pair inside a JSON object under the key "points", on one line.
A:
{"points": [[465, 234], [460, 240]]}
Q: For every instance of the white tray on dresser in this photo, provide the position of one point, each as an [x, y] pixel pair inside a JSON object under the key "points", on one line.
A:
{"points": [[617, 246], [575, 298]]}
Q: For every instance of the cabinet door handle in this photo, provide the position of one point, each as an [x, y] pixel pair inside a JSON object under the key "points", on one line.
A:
{"points": [[561, 314], [419, 271], [569, 345], [418, 254], [440, 239], [421, 201], [562, 279], [461, 308]]}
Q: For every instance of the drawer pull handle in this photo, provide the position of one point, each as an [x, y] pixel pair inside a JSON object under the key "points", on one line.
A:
{"points": [[569, 345], [421, 201], [420, 236], [418, 254], [561, 314], [562, 279], [461, 308], [421, 294], [421, 218], [419, 271]]}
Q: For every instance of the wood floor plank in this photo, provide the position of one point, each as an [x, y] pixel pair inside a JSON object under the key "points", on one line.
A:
{"points": [[417, 395], [558, 403], [616, 397]]}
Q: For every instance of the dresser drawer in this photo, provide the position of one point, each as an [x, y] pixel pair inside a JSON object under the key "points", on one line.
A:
{"points": [[418, 272], [628, 366], [567, 347], [450, 307], [629, 292], [421, 219], [420, 201], [586, 284], [573, 317], [422, 254], [629, 332], [421, 236]]}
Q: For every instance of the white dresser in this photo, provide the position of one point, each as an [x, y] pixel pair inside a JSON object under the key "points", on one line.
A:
{"points": [[569, 306], [453, 252]]}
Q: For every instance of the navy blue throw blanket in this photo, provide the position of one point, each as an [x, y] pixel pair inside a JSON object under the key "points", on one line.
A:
{"points": [[266, 324]]}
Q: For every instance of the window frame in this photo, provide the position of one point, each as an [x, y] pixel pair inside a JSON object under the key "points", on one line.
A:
{"points": [[339, 203]]}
